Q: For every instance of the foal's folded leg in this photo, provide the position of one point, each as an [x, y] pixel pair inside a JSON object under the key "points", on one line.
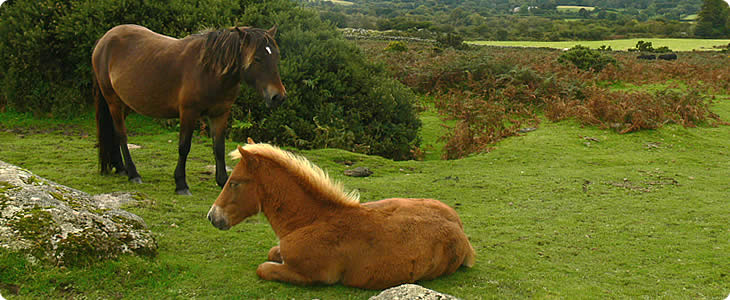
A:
{"points": [[281, 272], [275, 254]]}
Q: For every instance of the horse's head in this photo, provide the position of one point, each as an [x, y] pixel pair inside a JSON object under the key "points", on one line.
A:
{"points": [[239, 198], [261, 64]]}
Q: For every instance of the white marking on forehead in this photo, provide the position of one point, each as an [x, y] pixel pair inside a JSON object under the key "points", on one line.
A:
{"points": [[268, 49]]}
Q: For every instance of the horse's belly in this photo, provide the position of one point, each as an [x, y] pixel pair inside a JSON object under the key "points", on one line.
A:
{"points": [[151, 102]]}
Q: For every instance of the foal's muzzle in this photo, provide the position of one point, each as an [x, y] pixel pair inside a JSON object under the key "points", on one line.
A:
{"points": [[218, 219]]}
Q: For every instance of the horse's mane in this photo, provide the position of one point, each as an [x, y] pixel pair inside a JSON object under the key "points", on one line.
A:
{"points": [[223, 50], [309, 173]]}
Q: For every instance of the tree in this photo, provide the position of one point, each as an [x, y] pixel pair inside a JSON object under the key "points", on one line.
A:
{"points": [[713, 19]]}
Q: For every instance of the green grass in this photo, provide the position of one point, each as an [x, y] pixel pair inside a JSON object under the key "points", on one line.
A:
{"points": [[566, 211], [573, 8], [341, 2], [692, 17], [674, 44]]}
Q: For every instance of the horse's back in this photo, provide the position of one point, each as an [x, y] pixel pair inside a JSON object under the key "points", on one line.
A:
{"points": [[142, 67], [133, 33], [408, 206]]}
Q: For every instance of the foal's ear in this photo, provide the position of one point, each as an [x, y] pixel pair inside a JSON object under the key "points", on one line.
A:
{"points": [[249, 141], [272, 31], [250, 160]]}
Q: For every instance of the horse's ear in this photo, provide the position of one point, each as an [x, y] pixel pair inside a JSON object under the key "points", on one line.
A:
{"points": [[272, 31], [249, 141]]}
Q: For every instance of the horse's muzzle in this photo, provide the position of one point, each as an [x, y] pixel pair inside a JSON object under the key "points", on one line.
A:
{"points": [[276, 101], [218, 219]]}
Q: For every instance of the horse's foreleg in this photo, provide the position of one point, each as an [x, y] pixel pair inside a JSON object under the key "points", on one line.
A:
{"points": [[187, 125], [218, 127], [281, 272]]}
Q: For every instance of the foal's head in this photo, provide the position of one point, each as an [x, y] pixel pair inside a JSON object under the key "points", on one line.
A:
{"points": [[239, 198], [261, 60], [267, 173]]}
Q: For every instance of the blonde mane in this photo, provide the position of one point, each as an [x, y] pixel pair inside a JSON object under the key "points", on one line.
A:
{"points": [[304, 169]]}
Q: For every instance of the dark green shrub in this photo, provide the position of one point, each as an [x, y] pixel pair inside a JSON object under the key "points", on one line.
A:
{"points": [[451, 40], [336, 97], [586, 59], [642, 46], [46, 45]]}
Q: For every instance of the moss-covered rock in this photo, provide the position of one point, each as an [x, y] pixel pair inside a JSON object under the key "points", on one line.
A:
{"points": [[52, 223]]}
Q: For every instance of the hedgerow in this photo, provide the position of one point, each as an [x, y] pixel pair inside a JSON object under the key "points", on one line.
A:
{"points": [[337, 98]]}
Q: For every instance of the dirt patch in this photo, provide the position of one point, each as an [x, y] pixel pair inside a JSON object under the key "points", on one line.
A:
{"points": [[63, 129]]}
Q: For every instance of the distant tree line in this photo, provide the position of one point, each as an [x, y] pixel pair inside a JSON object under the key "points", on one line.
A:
{"points": [[538, 20], [714, 19]]}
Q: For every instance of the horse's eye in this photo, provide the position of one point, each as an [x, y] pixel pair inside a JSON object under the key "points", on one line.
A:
{"points": [[257, 59], [234, 184]]}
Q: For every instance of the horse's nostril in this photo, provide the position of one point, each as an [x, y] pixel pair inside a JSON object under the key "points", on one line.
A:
{"points": [[276, 100]]}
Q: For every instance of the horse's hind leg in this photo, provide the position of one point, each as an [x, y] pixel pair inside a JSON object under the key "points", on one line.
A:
{"points": [[187, 125], [218, 126], [275, 254], [118, 115]]}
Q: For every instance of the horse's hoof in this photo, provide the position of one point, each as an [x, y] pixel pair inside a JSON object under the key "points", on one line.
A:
{"points": [[185, 192], [135, 180]]}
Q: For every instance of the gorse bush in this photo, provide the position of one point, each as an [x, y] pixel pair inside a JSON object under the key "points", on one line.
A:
{"points": [[397, 46], [337, 98], [586, 59]]}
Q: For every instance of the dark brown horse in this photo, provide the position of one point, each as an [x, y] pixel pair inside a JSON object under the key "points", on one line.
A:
{"points": [[163, 77], [327, 236]]}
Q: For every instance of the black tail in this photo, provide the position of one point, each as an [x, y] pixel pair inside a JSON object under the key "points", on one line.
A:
{"points": [[105, 134]]}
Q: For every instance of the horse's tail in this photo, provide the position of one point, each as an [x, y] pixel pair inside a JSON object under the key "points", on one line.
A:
{"points": [[105, 134]]}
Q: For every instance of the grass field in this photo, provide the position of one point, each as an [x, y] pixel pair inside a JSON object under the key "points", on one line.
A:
{"points": [[674, 44], [573, 8], [566, 211], [341, 2]]}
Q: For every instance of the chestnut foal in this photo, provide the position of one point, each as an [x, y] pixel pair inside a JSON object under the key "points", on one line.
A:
{"points": [[328, 236]]}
